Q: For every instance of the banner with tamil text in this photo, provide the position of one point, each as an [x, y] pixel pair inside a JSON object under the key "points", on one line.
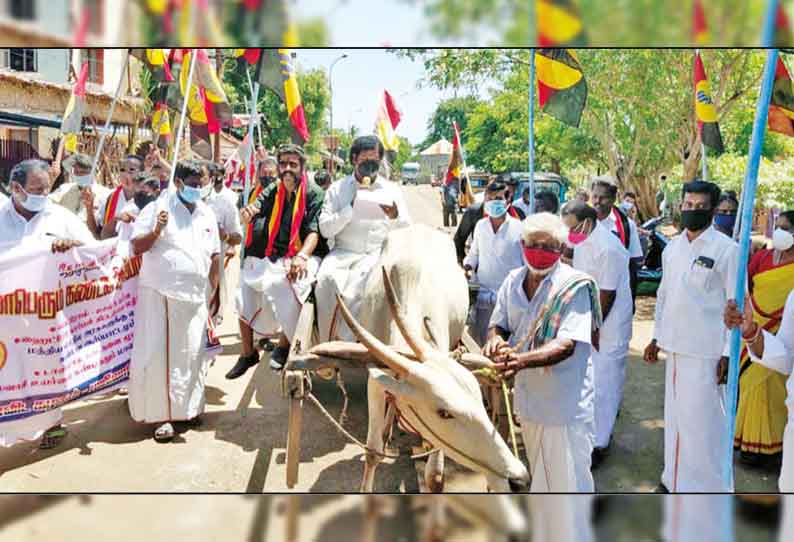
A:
{"points": [[66, 331]]}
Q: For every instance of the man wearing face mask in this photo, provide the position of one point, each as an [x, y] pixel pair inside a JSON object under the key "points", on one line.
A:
{"points": [[494, 252], [111, 207], [545, 318], [601, 255], [725, 217], [700, 268], [281, 263], [145, 190], [158, 167], [229, 230], [178, 237], [358, 213], [29, 217], [81, 192]]}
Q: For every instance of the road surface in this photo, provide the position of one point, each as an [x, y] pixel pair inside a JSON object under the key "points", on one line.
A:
{"points": [[240, 447]]}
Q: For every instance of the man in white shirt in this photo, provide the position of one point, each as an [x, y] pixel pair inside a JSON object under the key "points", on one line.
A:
{"points": [[357, 214], [599, 254], [178, 237], [549, 356], [495, 251], [110, 208], [229, 229], [605, 193], [29, 216], [81, 191], [699, 277], [3, 199]]}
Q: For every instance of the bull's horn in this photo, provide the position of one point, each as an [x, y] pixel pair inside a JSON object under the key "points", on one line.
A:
{"points": [[394, 361], [415, 342]]}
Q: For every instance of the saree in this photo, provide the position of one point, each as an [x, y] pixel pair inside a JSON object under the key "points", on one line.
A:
{"points": [[761, 414]]}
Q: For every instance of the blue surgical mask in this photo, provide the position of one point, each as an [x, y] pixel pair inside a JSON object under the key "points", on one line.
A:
{"points": [[496, 208], [190, 194], [33, 203], [725, 222]]}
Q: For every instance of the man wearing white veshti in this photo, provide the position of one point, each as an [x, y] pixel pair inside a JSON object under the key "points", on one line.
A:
{"points": [[358, 213], [178, 237]]}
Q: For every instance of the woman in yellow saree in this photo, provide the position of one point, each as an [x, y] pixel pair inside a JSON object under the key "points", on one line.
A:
{"points": [[761, 414]]}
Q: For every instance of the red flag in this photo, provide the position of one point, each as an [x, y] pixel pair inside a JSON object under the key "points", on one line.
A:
{"points": [[391, 108], [781, 106], [783, 36], [700, 30], [705, 111]]}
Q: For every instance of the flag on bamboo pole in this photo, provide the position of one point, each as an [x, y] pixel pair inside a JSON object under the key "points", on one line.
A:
{"points": [[72, 121], [266, 23], [245, 58], [562, 88], [783, 36], [559, 24], [157, 62], [387, 120], [456, 158], [278, 74], [706, 113], [700, 30], [781, 105], [161, 124], [199, 123]]}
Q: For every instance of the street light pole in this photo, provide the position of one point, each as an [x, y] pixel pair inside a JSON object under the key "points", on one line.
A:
{"points": [[331, 88]]}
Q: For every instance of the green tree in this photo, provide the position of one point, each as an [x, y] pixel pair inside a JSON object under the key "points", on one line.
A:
{"points": [[440, 123]]}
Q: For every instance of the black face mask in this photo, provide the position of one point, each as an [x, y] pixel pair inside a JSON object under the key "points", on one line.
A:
{"points": [[368, 168], [265, 180], [142, 199], [696, 220]]}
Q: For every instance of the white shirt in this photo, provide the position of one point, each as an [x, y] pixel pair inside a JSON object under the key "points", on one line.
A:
{"points": [[691, 297], [100, 213], [779, 352], [344, 230], [227, 193], [51, 223], [519, 204], [225, 211], [69, 196], [635, 248], [494, 254], [3, 199], [562, 393], [603, 257], [178, 264]]}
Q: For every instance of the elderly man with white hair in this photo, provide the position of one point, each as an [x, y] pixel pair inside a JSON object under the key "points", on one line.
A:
{"points": [[546, 317]]}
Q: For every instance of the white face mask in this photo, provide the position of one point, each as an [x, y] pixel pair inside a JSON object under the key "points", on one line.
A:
{"points": [[782, 240], [33, 202], [206, 191], [83, 181]]}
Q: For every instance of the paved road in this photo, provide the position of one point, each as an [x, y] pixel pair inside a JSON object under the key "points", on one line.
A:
{"points": [[241, 445]]}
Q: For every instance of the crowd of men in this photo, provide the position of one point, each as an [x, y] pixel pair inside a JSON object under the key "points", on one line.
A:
{"points": [[554, 304]]}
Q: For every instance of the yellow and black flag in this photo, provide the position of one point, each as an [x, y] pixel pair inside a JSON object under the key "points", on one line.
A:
{"points": [[559, 24], [706, 113], [157, 62], [562, 88], [781, 106]]}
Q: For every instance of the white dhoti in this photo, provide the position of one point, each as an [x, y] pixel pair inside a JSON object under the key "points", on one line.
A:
{"points": [[787, 524], [345, 272], [609, 376], [694, 426], [267, 301], [218, 300], [169, 364], [697, 518], [559, 457], [561, 518]]}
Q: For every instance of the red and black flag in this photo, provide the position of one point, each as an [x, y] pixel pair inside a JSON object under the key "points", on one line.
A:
{"points": [[278, 74], [705, 111], [157, 62], [562, 88], [245, 58], [700, 30], [783, 37], [559, 24], [161, 123], [781, 106]]}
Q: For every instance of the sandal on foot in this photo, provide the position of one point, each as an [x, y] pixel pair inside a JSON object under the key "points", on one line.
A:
{"points": [[243, 364], [52, 438], [164, 433]]}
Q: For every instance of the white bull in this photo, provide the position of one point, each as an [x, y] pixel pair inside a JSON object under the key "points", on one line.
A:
{"points": [[433, 393]]}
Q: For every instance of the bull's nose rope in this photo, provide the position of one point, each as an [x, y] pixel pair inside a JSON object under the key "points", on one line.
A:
{"points": [[492, 375], [353, 439]]}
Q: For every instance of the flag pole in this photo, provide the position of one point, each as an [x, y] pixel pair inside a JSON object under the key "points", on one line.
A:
{"points": [[258, 128], [532, 131], [748, 199], [178, 142], [250, 158], [103, 135]]}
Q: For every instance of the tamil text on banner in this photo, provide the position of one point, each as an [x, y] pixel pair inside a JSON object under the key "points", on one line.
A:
{"points": [[66, 331]]}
